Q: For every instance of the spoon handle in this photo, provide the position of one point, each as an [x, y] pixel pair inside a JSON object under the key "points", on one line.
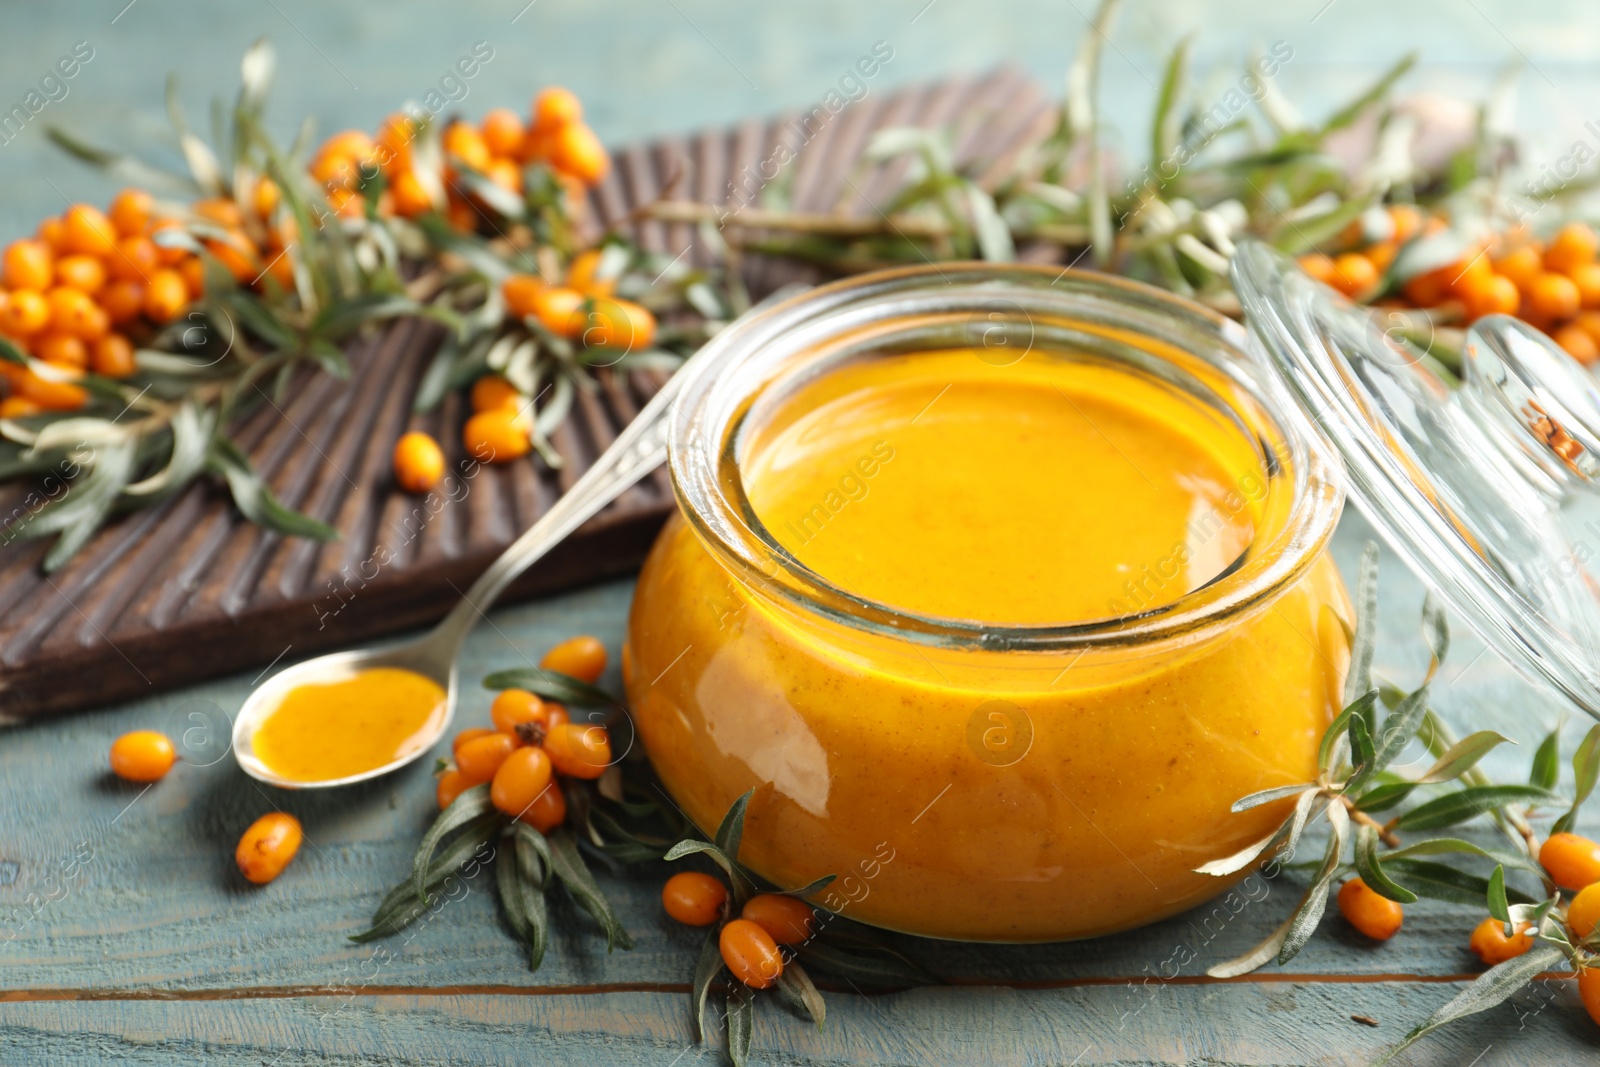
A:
{"points": [[638, 450]]}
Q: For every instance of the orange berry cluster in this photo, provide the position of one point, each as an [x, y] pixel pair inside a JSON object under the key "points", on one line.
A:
{"points": [[1553, 285], [88, 284], [1571, 861], [531, 743], [749, 944], [266, 847], [498, 148]]}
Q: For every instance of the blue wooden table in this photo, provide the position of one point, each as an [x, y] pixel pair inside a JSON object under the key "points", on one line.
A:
{"points": [[126, 934]]}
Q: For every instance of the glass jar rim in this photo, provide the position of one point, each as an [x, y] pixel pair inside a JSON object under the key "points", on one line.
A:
{"points": [[735, 367]]}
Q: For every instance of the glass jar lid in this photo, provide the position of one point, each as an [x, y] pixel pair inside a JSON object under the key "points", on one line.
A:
{"points": [[1488, 491]]}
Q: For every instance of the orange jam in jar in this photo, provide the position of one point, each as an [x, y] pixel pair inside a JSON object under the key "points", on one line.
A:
{"points": [[998, 586]]}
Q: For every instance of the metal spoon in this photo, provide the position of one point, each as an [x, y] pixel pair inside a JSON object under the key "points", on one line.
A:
{"points": [[638, 450]]}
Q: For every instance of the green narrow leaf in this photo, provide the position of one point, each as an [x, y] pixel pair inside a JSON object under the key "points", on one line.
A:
{"points": [[1468, 803], [1499, 907], [551, 685], [741, 1022], [994, 237], [1360, 677], [706, 970], [255, 501], [79, 513], [1438, 881], [533, 874], [1371, 95], [1546, 770], [400, 906], [568, 864], [1339, 727], [1585, 769], [731, 831], [506, 877], [1309, 913], [1165, 127], [1435, 630], [1383, 797], [1267, 796], [1492, 987], [471, 804], [1362, 752], [1371, 870], [796, 986], [1399, 727], [811, 887], [1439, 846], [875, 967], [1462, 756]]}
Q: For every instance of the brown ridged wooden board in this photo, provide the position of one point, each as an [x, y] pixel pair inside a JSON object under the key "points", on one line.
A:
{"points": [[189, 590]]}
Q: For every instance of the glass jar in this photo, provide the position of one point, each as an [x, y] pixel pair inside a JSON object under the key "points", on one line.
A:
{"points": [[964, 779]]}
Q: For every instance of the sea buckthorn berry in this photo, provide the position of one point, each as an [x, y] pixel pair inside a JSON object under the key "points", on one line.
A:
{"points": [[560, 310], [514, 707], [581, 275], [112, 356], [1494, 295], [418, 462], [335, 170], [61, 350], [51, 393], [123, 301], [521, 294], [1406, 220], [238, 255], [1522, 265], [467, 146], [357, 143], [136, 258], [1354, 275], [267, 847], [451, 785], [193, 273], [492, 391], [265, 198], [789, 920], [481, 757], [559, 715], [1583, 914], [393, 148], [166, 295], [86, 229], [1491, 945], [167, 255], [471, 733], [620, 325], [505, 173], [496, 436], [18, 407], [501, 129], [72, 312], [750, 954], [29, 265], [1381, 255], [1430, 288], [410, 198], [1586, 276], [578, 750], [1589, 991], [142, 756], [582, 657], [1551, 297], [579, 152], [520, 779], [1573, 245], [1573, 862], [556, 107], [548, 810], [1376, 916], [84, 273], [1577, 343], [130, 211], [52, 232], [26, 312], [693, 898]]}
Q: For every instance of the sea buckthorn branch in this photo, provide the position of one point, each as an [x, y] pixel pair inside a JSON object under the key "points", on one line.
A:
{"points": [[1524, 934], [758, 940]]}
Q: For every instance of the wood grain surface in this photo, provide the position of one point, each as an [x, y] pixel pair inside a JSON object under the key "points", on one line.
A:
{"points": [[125, 933], [189, 590]]}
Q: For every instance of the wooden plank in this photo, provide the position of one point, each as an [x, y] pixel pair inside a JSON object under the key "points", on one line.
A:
{"points": [[1292, 1023]]}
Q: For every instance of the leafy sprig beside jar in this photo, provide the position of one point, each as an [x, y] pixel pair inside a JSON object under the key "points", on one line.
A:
{"points": [[759, 940], [1356, 788]]}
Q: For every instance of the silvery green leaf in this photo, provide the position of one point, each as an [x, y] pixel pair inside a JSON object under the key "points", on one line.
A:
{"points": [[1359, 678], [731, 832], [1585, 770], [125, 167], [255, 71], [1267, 796], [1463, 756], [1375, 92], [1435, 629], [1496, 897], [1439, 846], [191, 439], [470, 805], [400, 907], [78, 432], [1399, 727], [519, 367], [1200, 254], [706, 970], [1288, 834], [1309, 913], [1165, 127], [1372, 872], [568, 864], [1492, 987], [85, 506], [1256, 957], [1468, 803], [796, 987], [994, 238], [741, 1022], [1440, 881], [203, 165]]}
